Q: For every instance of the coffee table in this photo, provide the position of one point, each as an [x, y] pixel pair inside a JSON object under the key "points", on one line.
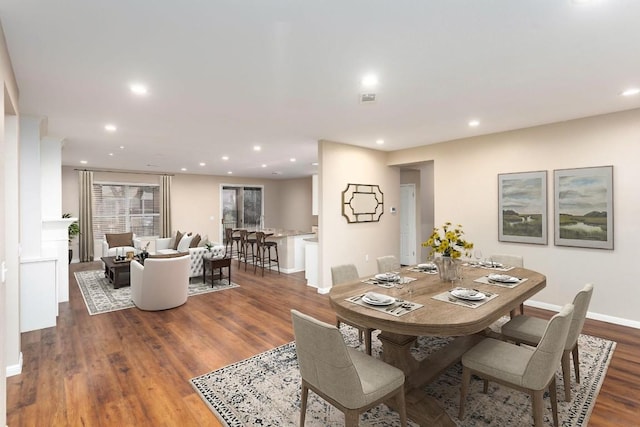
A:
{"points": [[116, 271], [216, 264]]}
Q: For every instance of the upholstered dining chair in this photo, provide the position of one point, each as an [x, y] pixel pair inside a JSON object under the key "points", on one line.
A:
{"points": [[529, 330], [343, 274], [388, 263], [348, 379], [521, 368], [512, 261]]}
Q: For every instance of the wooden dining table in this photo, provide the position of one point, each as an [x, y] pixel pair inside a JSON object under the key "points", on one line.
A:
{"points": [[435, 318]]}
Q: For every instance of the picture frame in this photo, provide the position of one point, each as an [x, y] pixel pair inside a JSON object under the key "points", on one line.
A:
{"points": [[522, 207], [583, 199]]}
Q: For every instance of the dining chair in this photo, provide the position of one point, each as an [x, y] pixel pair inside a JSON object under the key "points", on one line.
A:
{"points": [[388, 263], [348, 379], [521, 368], [343, 274], [529, 330], [511, 261]]}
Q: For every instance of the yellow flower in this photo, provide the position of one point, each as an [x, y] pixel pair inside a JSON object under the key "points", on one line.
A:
{"points": [[451, 245]]}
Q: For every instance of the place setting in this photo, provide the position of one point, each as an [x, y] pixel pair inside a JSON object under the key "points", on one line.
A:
{"points": [[391, 279], [384, 303], [427, 268], [503, 280], [466, 297]]}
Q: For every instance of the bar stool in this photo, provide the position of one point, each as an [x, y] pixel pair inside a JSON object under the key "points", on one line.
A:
{"points": [[263, 254], [252, 243], [242, 251], [229, 241]]}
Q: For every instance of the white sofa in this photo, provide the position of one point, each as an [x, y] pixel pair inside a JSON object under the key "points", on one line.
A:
{"points": [[165, 246], [161, 283]]}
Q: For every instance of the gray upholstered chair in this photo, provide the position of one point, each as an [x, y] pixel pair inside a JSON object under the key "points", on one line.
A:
{"points": [[521, 368], [388, 263], [348, 379], [529, 330], [512, 261], [343, 274]]}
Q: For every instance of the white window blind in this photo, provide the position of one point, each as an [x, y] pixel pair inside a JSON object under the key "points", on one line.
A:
{"points": [[120, 208]]}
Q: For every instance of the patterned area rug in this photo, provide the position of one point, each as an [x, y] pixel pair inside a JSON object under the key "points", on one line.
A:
{"points": [[265, 390], [100, 297]]}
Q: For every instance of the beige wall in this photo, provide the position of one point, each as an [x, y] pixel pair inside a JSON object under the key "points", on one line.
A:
{"points": [[361, 243], [196, 198], [466, 192]]}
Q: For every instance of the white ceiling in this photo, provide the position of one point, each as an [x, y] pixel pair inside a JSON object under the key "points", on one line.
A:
{"points": [[224, 76]]}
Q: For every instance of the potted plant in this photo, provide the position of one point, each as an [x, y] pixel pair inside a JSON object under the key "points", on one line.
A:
{"points": [[74, 230]]}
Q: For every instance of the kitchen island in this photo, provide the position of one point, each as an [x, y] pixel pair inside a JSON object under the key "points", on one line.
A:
{"points": [[291, 248]]}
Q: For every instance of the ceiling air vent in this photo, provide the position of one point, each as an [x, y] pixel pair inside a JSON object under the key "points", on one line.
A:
{"points": [[367, 98]]}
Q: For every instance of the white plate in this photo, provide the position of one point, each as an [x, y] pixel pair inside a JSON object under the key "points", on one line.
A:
{"points": [[428, 266], [377, 299], [492, 264], [503, 278], [468, 294], [387, 277]]}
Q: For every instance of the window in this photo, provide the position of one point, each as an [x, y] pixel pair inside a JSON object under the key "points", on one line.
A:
{"points": [[120, 208]]}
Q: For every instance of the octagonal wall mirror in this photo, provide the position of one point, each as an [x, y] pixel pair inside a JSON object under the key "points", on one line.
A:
{"points": [[362, 203]]}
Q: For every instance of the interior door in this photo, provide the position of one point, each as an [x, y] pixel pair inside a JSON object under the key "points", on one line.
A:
{"points": [[408, 224]]}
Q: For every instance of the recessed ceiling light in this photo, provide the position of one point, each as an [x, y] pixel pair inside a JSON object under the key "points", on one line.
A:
{"points": [[122, 147], [264, 166], [138, 89], [84, 162], [111, 154], [225, 157], [292, 159], [314, 164], [257, 148], [183, 169], [474, 123], [203, 164], [110, 128], [380, 141], [229, 173], [369, 81], [631, 91]]}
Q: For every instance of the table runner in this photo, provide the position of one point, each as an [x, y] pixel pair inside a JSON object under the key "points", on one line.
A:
{"points": [[448, 297]]}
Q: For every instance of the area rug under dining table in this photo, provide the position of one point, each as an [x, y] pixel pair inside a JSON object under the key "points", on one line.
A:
{"points": [[265, 390], [100, 296]]}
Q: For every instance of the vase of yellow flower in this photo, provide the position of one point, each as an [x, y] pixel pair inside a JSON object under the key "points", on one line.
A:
{"points": [[450, 243]]}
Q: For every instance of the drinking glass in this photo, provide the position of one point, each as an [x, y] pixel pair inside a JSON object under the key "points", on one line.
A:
{"points": [[477, 254]]}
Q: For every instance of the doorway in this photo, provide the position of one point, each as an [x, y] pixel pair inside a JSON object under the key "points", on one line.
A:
{"points": [[408, 224], [242, 207]]}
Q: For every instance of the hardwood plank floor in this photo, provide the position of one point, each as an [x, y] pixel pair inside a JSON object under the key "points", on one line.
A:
{"points": [[132, 367]]}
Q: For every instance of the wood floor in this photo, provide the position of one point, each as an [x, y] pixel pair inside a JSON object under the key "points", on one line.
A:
{"points": [[132, 367]]}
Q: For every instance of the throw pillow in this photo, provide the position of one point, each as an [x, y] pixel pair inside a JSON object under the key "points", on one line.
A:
{"points": [[195, 241], [183, 246], [177, 239], [119, 239]]}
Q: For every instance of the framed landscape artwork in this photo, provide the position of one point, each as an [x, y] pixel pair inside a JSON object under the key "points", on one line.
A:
{"points": [[584, 207], [522, 207]]}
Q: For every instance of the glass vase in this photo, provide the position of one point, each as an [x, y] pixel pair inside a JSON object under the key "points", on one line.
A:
{"points": [[447, 268]]}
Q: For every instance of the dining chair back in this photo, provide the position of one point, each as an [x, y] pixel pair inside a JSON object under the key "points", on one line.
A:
{"points": [[529, 330], [351, 381], [521, 368], [388, 263], [346, 273]]}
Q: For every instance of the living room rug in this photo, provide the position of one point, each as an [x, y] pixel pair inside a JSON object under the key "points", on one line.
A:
{"points": [[265, 390], [100, 297]]}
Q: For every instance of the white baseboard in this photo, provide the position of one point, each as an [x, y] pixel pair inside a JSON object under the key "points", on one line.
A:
{"points": [[590, 315], [15, 369]]}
